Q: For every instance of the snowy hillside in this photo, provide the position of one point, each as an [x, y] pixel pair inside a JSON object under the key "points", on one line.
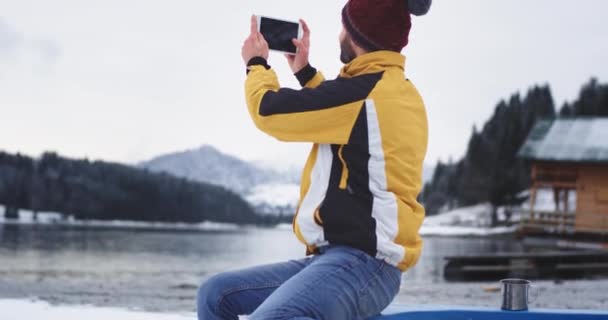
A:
{"points": [[207, 164]]}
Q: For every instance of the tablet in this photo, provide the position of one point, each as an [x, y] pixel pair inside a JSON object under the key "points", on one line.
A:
{"points": [[279, 33]]}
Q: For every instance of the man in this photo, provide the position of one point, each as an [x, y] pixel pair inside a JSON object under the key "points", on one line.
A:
{"points": [[358, 215]]}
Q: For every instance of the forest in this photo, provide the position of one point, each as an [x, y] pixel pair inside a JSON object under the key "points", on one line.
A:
{"points": [[490, 170], [99, 190]]}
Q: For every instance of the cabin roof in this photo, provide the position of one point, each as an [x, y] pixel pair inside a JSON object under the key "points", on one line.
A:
{"points": [[568, 140]]}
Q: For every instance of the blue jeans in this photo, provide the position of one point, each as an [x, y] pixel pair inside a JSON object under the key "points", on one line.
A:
{"points": [[339, 283]]}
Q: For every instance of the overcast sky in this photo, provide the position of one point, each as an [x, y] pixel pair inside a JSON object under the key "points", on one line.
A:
{"points": [[128, 80]]}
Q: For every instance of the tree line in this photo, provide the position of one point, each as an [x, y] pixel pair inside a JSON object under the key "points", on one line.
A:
{"points": [[101, 190], [490, 170]]}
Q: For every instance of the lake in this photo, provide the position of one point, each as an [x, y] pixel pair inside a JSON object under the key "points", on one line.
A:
{"points": [[160, 269], [48, 248]]}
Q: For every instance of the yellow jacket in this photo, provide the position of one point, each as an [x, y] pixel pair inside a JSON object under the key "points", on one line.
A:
{"points": [[364, 172]]}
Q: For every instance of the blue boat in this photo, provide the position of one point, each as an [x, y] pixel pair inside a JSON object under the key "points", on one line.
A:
{"points": [[434, 312]]}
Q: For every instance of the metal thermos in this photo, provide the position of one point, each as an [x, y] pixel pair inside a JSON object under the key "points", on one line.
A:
{"points": [[515, 294]]}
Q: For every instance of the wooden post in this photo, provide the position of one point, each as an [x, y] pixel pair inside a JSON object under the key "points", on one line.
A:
{"points": [[556, 192], [532, 201], [533, 193]]}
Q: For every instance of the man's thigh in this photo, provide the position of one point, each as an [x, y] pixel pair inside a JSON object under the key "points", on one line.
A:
{"points": [[232, 293], [342, 283]]}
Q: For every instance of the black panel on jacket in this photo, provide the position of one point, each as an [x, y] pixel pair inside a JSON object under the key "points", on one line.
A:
{"points": [[329, 94], [347, 214]]}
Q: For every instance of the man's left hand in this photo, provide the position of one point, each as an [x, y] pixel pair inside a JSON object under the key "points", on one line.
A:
{"points": [[300, 60], [255, 45]]}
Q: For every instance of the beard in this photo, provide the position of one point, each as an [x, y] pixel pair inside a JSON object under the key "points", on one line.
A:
{"points": [[347, 52]]}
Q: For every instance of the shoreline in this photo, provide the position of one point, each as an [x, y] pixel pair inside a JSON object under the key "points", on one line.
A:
{"points": [[208, 226]]}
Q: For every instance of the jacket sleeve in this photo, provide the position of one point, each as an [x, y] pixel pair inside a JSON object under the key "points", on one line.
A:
{"points": [[323, 114], [309, 77]]}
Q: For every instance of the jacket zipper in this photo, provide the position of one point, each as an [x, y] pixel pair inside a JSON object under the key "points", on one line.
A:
{"points": [[344, 178]]}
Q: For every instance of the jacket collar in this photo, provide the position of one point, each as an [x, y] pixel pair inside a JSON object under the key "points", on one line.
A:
{"points": [[376, 61]]}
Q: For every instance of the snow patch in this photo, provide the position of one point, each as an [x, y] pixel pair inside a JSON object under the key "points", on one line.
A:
{"points": [[476, 220], [467, 216], [455, 231], [466, 221], [23, 309], [27, 217]]}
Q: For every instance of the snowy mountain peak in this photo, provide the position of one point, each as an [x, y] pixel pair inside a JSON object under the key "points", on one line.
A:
{"points": [[208, 164]]}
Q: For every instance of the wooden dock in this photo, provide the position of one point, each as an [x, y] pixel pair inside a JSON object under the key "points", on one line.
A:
{"points": [[541, 265]]}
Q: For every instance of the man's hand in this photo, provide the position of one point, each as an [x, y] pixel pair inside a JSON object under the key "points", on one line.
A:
{"points": [[300, 59], [255, 45]]}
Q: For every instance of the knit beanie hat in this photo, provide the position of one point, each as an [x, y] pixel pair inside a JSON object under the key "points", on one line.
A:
{"points": [[382, 24]]}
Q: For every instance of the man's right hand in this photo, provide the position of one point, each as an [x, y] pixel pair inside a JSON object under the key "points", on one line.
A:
{"points": [[300, 60], [255, 45]]}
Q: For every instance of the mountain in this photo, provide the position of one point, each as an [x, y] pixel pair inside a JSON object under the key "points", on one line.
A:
{"points": [[208, 164], [267, 189]]}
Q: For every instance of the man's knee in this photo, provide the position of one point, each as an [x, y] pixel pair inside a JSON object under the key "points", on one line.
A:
{"points": [[210, 294]]}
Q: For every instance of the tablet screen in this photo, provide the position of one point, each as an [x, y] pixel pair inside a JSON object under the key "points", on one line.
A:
{"points": [[279, 34]]}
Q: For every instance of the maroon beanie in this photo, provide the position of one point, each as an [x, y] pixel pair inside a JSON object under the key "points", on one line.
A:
{"points": [[381, 24]]}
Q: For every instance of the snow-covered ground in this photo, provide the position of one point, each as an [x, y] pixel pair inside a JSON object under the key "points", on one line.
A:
{"points": [[474, 216], [455, 231], [28, 309], [476, 220], [467, 221]]}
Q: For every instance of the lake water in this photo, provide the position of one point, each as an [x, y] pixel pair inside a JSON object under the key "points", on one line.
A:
{"points": [[160, 270], [128, 254], [159, 267]]}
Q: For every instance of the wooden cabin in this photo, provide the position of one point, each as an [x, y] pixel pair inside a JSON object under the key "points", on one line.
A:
{"points": [[570, 157]]}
